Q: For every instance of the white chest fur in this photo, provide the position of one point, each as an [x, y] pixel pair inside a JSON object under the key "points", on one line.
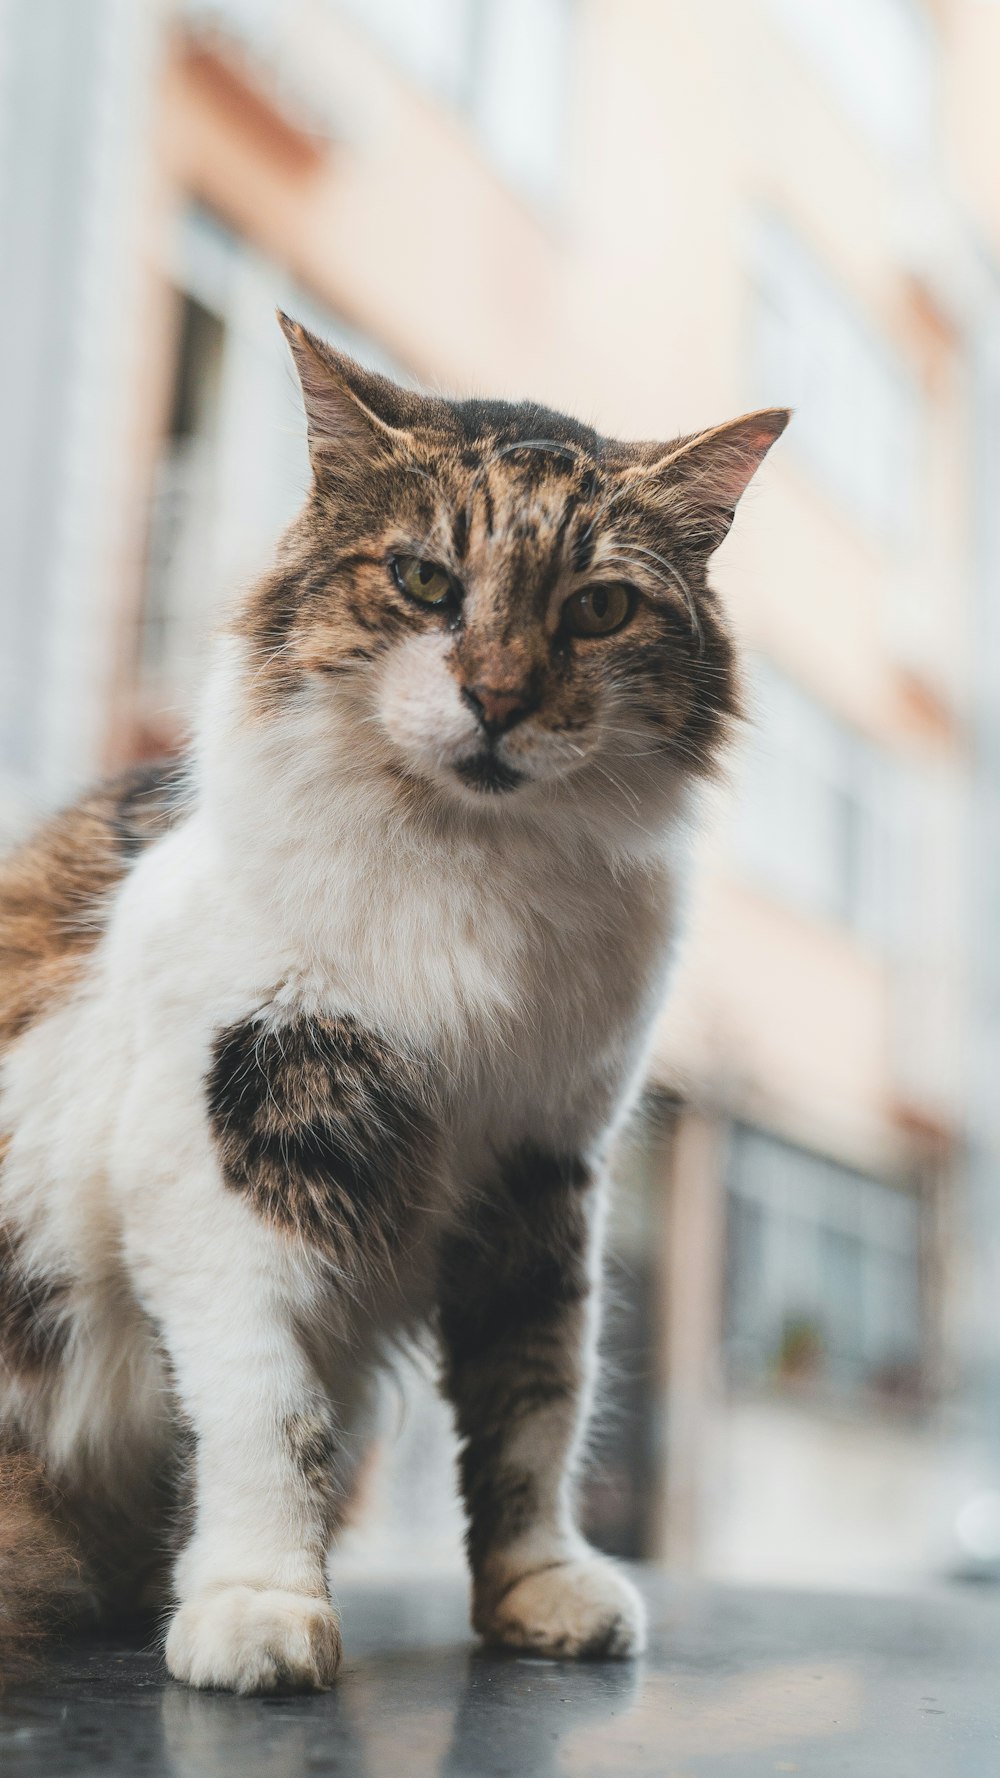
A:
{"points": [[515, 947], [524, 953], [530, 975]]}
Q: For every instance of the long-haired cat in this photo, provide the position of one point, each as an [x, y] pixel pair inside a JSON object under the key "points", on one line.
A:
{"points": [[322, 1038]]}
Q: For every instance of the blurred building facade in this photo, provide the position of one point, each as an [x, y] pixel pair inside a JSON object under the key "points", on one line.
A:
{"points": [[654, 214]]}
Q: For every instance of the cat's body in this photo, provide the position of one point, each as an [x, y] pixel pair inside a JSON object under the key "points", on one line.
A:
{"points": [[302, 1052]]}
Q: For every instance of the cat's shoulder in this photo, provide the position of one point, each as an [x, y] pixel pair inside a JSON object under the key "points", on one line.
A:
{"points": [[56, 885]]}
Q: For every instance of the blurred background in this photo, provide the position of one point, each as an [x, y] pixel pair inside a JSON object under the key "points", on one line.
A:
{"points": [[654, 213]]}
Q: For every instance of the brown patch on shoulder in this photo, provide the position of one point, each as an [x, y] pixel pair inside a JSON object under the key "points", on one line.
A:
{"points": [[54, 888], [327, 1131]]}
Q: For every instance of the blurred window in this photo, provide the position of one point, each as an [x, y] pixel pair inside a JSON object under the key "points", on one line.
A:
{"points": [[183, 479], [258, 21], [878, 58], [506, 63], [233, 466], [520, 92], [432, 39], [824, 1268], [858, 414], [819, 812]]}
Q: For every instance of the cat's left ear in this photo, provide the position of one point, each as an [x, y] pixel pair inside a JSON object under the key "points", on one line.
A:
{"points": [[351, 412], [706, 476]]}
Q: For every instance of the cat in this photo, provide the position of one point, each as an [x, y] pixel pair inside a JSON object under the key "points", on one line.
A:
{"points": [[318, 1040]]}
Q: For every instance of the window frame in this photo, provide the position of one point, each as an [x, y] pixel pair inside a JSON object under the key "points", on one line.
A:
{"points": [[814, 1202], [797, 754], [838, 40], [860, 413], [464, 86]]}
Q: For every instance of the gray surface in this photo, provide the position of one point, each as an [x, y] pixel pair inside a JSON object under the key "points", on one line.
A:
{"points": [[736, 1683]]}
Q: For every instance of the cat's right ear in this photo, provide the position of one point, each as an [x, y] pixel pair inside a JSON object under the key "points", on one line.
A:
{"points": [[704, 476], [350, 412]]}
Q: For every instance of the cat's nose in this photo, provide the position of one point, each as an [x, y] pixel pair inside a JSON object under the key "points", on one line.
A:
{"points": [[498, 708]]}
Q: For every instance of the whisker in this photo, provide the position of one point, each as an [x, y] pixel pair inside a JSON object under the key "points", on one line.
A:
{"points": [[630, 551]]}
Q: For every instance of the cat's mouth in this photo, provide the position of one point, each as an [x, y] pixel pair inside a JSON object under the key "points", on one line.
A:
{"points": [[486, 773]]}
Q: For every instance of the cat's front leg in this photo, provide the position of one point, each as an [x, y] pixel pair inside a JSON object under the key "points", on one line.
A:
{"points": [[253, 1610], [517, 1315], [322, 1158]]}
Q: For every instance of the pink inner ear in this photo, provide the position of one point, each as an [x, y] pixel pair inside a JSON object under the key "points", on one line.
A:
{"points": [[763, 438], [757, 433], [730, 457]]}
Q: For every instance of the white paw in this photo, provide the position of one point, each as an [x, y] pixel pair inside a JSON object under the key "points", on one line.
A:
{"points": [[239, 1639], [585, 1610]]}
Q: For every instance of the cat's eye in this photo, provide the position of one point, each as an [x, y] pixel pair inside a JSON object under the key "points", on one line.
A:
{"points": [[424, 581], [598, 610]]}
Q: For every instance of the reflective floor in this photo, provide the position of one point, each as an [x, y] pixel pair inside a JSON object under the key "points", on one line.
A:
{"points": [[736, 1683]]}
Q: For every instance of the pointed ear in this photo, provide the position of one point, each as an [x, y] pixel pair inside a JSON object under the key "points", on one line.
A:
{"points": [[350, 412], [708, 474]]}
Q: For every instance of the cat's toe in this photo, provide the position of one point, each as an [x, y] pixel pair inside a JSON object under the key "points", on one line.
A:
{"points": [[241, 1639], [583, 1610]]}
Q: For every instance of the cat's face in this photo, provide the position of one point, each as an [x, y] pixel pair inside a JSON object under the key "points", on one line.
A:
{"points": [[509, 603]]}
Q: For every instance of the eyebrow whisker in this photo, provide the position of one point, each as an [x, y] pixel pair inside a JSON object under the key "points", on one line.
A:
{"points": [[552, 445], [628, 552]]}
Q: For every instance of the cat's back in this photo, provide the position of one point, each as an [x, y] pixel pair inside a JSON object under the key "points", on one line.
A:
{"points": [[57, 887]]}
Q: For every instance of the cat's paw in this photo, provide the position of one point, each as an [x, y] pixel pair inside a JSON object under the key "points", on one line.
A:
{"points": [[582, 1610], [240, 1639]]}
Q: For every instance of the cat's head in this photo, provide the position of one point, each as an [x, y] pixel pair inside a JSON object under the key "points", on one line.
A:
{"points": [[512, 607]]}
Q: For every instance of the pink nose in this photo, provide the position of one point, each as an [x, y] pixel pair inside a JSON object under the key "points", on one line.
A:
{"points": [[497, 709]]}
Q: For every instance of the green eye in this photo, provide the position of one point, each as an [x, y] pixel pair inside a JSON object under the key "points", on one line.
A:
{"points": [[597, 610], [424, 581]]}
